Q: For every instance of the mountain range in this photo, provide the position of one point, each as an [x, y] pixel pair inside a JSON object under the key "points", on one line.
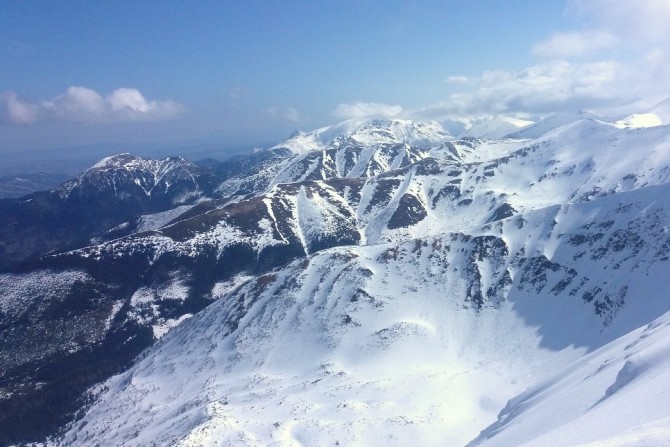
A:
{"points": [[374, 282]]}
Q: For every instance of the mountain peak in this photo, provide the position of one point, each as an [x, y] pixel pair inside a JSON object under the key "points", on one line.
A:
{"points": [[113, 174], [367, 132], [552, 122], [496, 127], [657, 116], [115, 161], [129, 161]]}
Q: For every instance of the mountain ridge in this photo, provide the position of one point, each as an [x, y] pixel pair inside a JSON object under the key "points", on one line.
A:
{"points": [[336, 310], [479, 233]]}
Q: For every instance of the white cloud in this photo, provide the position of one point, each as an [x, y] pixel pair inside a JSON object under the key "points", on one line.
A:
{"points": [[77, 104], [565, 45], [543, 88], [635, 26], [457, 79], [129, 103], [366, 109], [634, 22], [623, 67], [83, 104], [16, 111], [286, 113], [130, 99]]}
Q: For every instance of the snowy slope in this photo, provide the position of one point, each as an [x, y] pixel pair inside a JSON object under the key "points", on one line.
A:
{"points": [[127, 174], [615, 396], [640, 120], [367, 132], [489, 264], [578, 163], [353, 148], [495, 127], [658, 116], [550, 123], [422, 342]]}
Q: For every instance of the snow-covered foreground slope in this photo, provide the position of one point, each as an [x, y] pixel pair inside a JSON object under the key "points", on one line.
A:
{"points": [[615, 396], [422, 342]]}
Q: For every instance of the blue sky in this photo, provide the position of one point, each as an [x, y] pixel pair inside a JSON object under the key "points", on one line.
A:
{"points": [[249, 72]]}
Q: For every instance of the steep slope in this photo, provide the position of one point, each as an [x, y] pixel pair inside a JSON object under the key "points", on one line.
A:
{"points": [[348, 149], [111, 302], [419, 342], [614, 396]]}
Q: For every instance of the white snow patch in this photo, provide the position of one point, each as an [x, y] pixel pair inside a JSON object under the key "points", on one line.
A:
{"points": [[159, 330]]}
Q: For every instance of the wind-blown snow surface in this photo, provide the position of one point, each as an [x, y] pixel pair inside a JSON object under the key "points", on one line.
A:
{"points": [[424, 342], [615, 396]]}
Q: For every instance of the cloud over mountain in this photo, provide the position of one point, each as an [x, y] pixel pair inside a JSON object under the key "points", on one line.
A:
{"points": [[361, 109], [640, 26], [615, 62], [541, 88]]}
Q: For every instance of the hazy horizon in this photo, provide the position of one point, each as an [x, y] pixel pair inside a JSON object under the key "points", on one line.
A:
{"points": [[152, 77]]}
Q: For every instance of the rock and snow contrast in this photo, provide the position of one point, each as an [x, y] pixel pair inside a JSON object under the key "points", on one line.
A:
{"points": [[370, 283]]}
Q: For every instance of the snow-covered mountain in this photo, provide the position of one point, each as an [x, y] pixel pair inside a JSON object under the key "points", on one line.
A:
{"points": [[114, 190], [658, 116], [615, 395], [367, 133], [373, 282], [496, 127], [545, 125], [418, 342]]}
